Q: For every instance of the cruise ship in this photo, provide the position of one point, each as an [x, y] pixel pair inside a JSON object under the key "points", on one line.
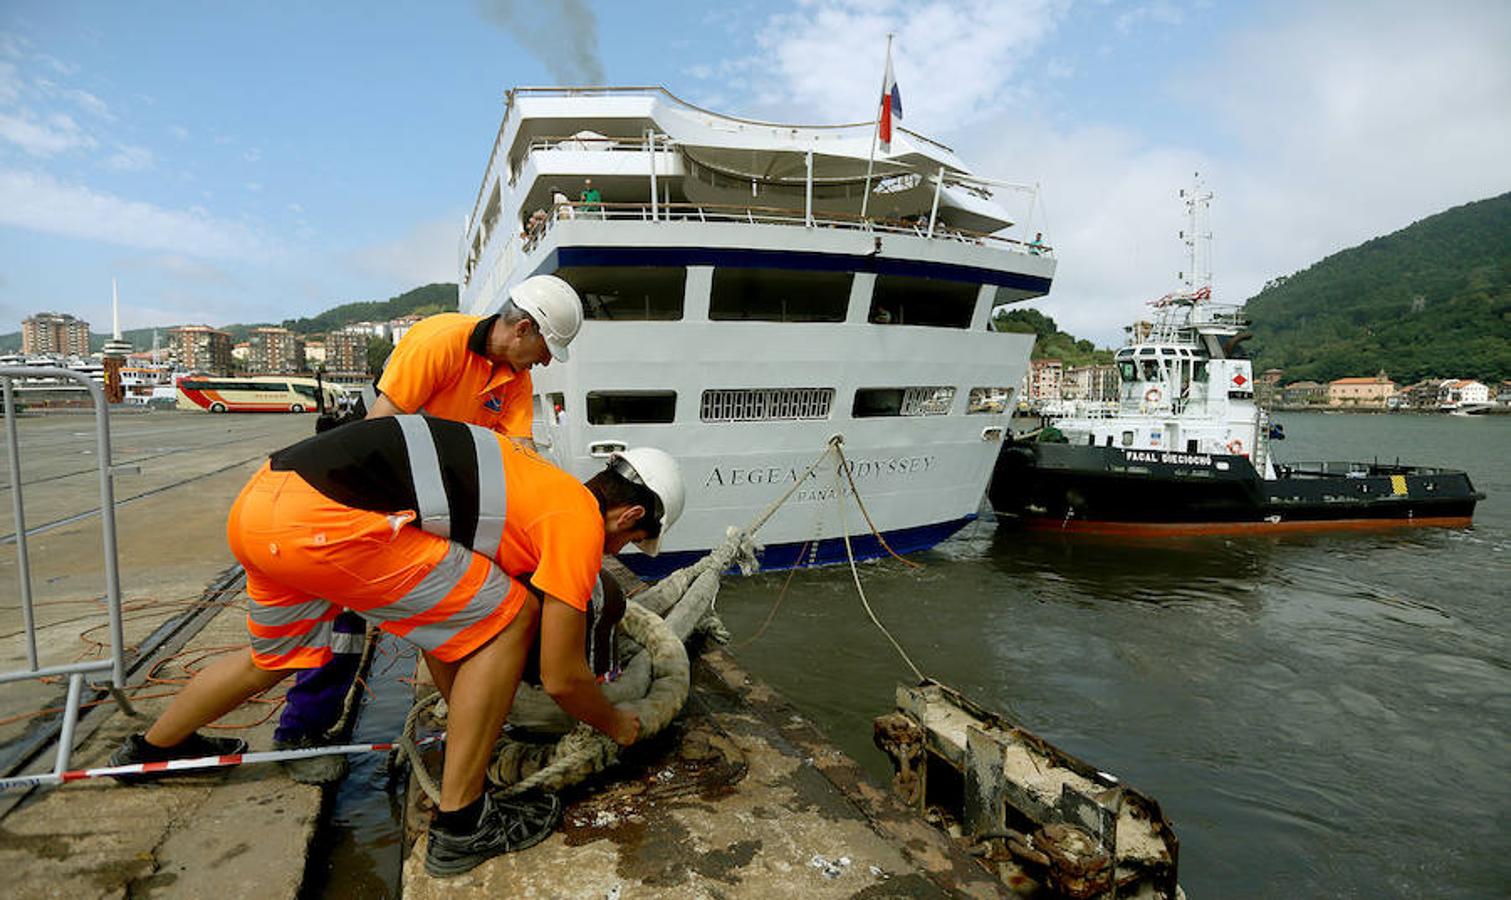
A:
{"points": [[741, 310]]}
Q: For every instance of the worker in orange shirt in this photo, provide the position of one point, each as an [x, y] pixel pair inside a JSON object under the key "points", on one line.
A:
{"points": [[465, 368], [423, 527], [477, 370]]}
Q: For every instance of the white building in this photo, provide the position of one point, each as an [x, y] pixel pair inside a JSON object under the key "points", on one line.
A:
{"points": [[400, 327], [371, 329], [1455, 393]]}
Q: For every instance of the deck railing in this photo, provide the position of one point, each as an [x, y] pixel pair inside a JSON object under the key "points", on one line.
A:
{"points": [[764, 215]]}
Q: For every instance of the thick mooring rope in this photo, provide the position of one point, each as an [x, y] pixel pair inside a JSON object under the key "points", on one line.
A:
{"points": [[654, 685]]}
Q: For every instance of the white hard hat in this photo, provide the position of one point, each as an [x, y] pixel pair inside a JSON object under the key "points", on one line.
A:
{"points": [[658, 471], [554, 306]]}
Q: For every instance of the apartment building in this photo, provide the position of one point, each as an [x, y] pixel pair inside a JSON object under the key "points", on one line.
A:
{"points": [[274, 350], [57, 334], [201, 348]]}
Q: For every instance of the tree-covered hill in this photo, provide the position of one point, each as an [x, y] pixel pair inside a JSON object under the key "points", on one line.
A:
{"points": [[1052, 343], [424, 301], [1430, 300]]}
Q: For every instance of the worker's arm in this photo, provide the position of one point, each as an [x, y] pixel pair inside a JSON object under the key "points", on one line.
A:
{"points": [[385, 407], [565, 674]]}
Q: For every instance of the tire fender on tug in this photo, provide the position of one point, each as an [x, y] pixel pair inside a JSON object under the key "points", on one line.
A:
{"points": [[1152, 395], [1235, 447]]}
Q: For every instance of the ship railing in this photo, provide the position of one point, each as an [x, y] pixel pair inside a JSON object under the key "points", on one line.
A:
{"points": [[765, 215], [1375, 469], [115, 663]]}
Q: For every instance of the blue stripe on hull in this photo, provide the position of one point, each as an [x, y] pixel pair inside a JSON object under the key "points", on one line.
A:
{"points": [[740, 258], [830, 551]]}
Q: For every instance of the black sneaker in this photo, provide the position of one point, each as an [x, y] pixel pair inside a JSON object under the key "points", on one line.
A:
{"points": [[503, 827], [135, 749], [328, 768]]}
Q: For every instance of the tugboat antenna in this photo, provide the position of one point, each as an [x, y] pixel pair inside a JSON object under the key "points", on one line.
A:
{"points": [[1198, 238]]}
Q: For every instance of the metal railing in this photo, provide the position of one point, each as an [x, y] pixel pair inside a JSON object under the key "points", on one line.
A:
{"points": [[764, 215], [116, 663]]}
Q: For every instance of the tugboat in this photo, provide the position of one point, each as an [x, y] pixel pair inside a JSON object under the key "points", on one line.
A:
{"points": [[1185, 449]]}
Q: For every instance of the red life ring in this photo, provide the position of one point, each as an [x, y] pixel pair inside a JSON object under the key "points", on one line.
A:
{"points": [[1152, 395], [1235, 447]]}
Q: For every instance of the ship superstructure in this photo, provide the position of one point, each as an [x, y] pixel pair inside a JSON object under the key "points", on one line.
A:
{"points": [[740, 311]]}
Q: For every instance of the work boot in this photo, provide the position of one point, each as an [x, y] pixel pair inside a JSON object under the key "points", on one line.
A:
{"points": [[328, 768], [135, 749], [504, 826]]}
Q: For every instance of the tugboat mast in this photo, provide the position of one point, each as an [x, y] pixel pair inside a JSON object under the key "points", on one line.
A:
{"points": [[1197, 237]]}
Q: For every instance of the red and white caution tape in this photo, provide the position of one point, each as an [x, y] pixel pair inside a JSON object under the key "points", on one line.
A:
{"points": [[200, 762]]}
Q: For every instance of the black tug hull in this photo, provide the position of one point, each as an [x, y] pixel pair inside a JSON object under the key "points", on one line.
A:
{"points": [[1111, 490]]}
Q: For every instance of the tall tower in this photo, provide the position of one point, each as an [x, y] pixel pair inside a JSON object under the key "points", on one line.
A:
{"points": [[115, 351]]}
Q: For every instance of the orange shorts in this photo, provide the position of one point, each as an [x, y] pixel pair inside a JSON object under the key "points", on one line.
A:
{"points": [[307, 557]]}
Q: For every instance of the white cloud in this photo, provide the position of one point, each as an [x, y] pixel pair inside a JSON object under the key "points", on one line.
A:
{"points": [[90, 103], [252, 155], [57, 134], [57, 65], [78, 97], [426, 254], [1354, 122], [1317, 131], [1318, 126], [128, 158], [179, 132], [1160, 12], [955, 62], [10, 84], [182, 268], [39, 202]]}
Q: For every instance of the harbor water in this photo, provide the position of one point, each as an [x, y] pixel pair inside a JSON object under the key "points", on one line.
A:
{"points": [[1320, 715]]}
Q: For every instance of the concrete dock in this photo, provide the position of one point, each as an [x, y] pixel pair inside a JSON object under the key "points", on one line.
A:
{"points": [[241, 835], [740, 797]]}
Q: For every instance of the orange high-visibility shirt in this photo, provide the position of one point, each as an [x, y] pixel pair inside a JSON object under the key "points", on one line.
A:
{"points": [[552, 524], [441, 367], [554, 528]]}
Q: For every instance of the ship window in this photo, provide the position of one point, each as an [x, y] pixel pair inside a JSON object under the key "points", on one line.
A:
{"points": [[779, 295], [906, 300], [989, 400], [766, 404], [1127, 439], [1109, 440], [557, 402], [909, 401], [631, 407], [1200, 372], [628, 293], [1127, 372]]}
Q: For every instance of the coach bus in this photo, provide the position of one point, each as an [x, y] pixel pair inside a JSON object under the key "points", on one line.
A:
{"points": [[258, 393]]}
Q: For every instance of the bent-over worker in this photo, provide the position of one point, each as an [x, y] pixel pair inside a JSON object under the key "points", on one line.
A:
{"points": [[422, 526]]}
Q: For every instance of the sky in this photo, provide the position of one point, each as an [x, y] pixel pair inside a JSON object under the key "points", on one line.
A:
{"points": [[255, 162]]}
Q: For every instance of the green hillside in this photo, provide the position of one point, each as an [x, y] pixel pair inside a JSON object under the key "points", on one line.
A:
{"points": [[1051, 343], [424, 301], [1430, 300]]}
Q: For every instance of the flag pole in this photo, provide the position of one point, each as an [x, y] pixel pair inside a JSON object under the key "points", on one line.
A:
{"points": [[865, 198]]}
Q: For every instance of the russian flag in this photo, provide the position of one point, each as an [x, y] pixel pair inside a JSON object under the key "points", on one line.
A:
{"points": [[891, 107]]}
